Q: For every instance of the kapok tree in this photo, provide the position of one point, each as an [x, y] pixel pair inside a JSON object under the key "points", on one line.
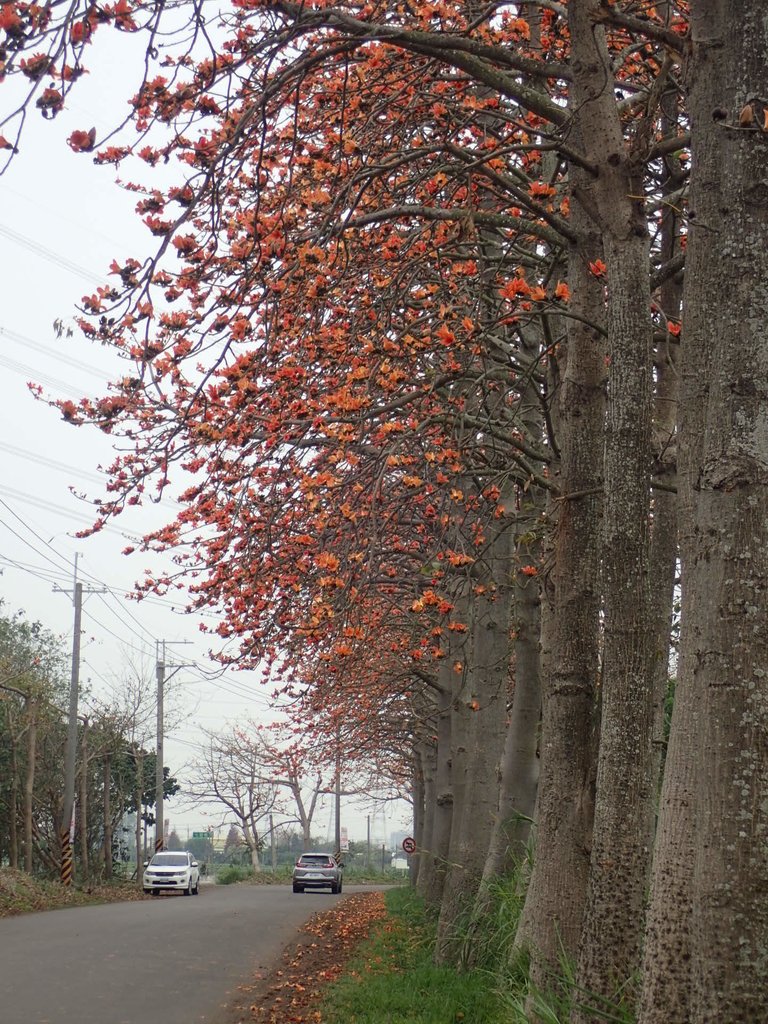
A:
{"points": [[318, 142]]}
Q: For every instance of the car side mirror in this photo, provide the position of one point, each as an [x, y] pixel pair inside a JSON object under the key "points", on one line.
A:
{"points": [[194, 863], [146, 863]]}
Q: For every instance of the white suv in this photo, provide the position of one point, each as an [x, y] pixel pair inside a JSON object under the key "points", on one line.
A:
{"points": [[175, 870]]}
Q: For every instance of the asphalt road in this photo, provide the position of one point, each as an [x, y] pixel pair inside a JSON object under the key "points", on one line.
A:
{"points": [[166, 960]]}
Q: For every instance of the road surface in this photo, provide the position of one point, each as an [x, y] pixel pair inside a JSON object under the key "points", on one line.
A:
{"points": [[165, 960]]}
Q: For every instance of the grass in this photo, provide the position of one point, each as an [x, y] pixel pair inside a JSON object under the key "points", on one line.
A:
{"points": [[393, 979], [23, 894]]}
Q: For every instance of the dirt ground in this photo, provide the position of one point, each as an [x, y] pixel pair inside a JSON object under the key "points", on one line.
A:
{"points": [[290, 993]]}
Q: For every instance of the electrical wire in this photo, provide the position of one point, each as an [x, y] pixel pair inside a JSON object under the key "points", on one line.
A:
{"points": [[50, 352], [52, 257]]}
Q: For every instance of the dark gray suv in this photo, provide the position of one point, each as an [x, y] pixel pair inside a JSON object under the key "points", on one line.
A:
{"points": [[317, 871]]}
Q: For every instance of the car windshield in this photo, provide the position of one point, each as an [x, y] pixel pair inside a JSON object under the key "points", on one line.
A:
{"points": [[315, 862], [169, 860]]}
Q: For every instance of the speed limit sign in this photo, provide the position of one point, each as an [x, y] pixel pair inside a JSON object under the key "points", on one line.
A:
{"points": [[409, 844]]}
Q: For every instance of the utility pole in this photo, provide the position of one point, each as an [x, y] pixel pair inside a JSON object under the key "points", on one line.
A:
{"points": [[159, 780], [159, 776], [66, 835], [338, 791]]}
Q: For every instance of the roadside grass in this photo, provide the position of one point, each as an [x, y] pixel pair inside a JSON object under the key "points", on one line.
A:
{"points": [[22, 894], [393, 980]]}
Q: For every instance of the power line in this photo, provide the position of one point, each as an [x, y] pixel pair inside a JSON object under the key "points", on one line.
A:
{"points": [[52, 257], [34, 373], [48, 506], [30, 456], [50, 352]]}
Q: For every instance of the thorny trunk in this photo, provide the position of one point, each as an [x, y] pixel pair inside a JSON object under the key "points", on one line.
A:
{"points": [[664, 515], [436, 853], [419, 805], [483, 704], [551, 920], [613, 922], [424, 836], [728, 570]]}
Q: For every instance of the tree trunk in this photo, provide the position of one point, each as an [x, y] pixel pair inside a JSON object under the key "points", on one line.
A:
{"points": [[620, 859], [425, 840], [29, 781], [252, 842], [729, 564], [419, 803], [551, 920], [436, 855], [84, 856], [484, 706], [107, 816], [520, 764], [137, 797], [13, 802]]}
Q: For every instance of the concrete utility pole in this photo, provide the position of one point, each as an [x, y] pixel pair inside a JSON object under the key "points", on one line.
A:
{"points": [[159, 777], [338, 790], [66, 836], [159, 780]]}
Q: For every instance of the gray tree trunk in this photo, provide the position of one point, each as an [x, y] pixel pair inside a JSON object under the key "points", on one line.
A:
{"points": [[425, 837], [550, 924], [29, 782], [83, 802], [706, 954], [620, 859], [729, 598], [483, 707], [137, 797], [107, 816], [436, 853], [13, 800]]}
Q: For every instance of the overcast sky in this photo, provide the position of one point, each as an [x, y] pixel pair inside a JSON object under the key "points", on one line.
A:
{"points": [[63, 221]]}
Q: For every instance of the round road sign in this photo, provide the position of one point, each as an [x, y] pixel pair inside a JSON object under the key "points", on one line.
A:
{"points": [[409, 845]]}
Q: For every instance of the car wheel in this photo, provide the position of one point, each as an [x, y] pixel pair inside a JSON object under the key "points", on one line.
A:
{"points": [[155, 892], [188, 890], [196, 890], [334, 888], [147, 891], [298, 888], [340, 885]]}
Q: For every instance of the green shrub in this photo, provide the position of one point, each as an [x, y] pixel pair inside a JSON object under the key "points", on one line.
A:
{"points": [[231, 873]]}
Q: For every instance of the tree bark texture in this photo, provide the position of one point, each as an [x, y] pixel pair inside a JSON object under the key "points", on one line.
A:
{"points": [[436, 855], [620, 859], [29, 781], [107, 816], [729, 568], [483, 705], [551, 920]]}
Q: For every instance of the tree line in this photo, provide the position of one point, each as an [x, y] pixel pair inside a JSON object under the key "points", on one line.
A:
{"points": [[450, 336], [115, 770]]}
